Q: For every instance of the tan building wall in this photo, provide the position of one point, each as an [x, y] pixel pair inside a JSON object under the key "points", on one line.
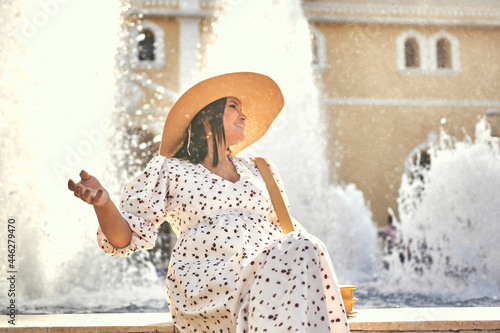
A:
{"points": [[362, 63], [369, 143], [374, 141], [377, 114], [168, 76], [153, 103]]}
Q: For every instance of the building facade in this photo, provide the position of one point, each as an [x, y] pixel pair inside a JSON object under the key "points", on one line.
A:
{"points": [[391, 74]]}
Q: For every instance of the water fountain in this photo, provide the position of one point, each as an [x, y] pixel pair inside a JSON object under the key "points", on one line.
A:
{"points": [[66, 122], [55, 127], [273, 37], [448, 213], [57, 100]]}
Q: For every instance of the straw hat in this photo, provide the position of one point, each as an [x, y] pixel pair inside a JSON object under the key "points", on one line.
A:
{"points": [[260, 97]]}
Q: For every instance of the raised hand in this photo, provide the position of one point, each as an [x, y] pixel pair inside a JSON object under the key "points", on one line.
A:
{"points": [[89, 189]]}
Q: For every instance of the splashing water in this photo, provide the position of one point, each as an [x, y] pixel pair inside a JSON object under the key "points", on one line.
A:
{"points": [[57, 102], [61, 125], [448, 234], [56, 115], [272, 37]]}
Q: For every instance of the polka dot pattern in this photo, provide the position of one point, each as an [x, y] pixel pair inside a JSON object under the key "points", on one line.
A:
{"points": [[232, 269]]}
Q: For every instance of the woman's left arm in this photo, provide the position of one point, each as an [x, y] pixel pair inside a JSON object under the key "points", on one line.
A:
{"points": [[143, 207]]}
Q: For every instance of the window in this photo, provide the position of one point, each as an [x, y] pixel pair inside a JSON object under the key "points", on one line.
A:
{"points": [[438, 54], [444, 50], [147, 45], [443, 53], [412, 53], [314, 46], [419, 157], [318, 47]]}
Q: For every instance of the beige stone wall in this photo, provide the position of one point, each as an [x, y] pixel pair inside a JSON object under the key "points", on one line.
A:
{"points": [[369, 143], [374, 141], [168, 76], [363, 58]]}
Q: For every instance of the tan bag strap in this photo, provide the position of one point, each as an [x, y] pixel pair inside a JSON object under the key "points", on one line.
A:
{"points": [[275, 194]]}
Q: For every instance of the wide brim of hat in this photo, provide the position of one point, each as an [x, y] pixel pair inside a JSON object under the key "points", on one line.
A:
{"points": [[260, 97]]}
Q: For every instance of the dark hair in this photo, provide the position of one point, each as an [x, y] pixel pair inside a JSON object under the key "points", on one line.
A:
{"points": [[198, 146]]}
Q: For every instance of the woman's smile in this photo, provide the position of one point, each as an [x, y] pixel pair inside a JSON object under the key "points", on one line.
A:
{"points": [[234, 115]]}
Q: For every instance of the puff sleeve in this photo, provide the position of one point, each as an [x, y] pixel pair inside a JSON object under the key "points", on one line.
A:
{"points": [[143, 206]]}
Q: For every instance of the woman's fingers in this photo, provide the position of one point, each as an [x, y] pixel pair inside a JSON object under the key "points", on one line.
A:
{"points": [[71, 185], [78, 191], [88, 189], [86, 195], [84, 175], [97, 198], [83, 192]]}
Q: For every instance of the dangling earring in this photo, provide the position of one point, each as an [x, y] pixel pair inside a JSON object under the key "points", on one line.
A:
{"points": [[189, 140], [208, 135]]}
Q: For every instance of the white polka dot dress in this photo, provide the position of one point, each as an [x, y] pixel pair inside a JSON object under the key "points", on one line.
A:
{"points": [[232, 270]]}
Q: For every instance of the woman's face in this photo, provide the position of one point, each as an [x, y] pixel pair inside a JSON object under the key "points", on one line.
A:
{"points": [[234, 121]]}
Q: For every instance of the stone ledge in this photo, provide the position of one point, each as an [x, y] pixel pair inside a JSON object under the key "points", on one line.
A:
{"points": [[484, 319], [87, 323]]}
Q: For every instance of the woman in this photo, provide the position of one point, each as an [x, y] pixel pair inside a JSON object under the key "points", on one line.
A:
{"points": [[232, 268]]}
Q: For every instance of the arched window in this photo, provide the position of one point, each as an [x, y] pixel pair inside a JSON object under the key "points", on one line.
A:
{"points": [[412, 53], [147, 45], [416, 167], [419, 157], [314, 47], [444, 52], [318, 47]]}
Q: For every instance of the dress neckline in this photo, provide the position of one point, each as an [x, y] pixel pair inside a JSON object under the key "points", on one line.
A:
{"points": [[236, 167]]}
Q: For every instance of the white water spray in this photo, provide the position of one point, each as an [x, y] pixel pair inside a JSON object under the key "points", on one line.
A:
{"points": [[57, 101], [56, 98], [448, 230], [273, 38]]}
